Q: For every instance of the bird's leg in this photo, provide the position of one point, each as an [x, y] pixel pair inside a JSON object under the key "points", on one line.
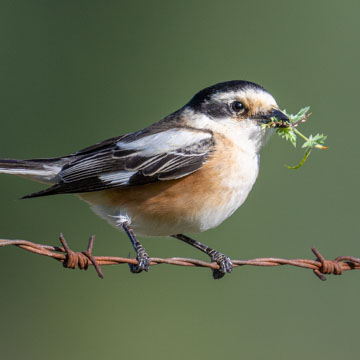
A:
{"points": [[224, 262], [141, 255]]}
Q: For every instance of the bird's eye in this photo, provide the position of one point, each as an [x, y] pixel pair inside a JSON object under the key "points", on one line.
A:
{"points": [[237, 106]]}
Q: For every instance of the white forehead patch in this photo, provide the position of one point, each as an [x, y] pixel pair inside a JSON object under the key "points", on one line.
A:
{"points": [[262, 96]]}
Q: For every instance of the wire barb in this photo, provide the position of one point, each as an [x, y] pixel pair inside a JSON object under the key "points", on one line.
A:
{"points": [[327, 266], [84, 259]]}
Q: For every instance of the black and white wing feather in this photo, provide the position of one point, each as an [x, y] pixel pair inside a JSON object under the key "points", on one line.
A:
{"points": [[132, 160]]}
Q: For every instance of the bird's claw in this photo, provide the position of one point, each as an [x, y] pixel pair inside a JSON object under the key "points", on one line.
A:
{"points": [[143, 262], [224, 262]]}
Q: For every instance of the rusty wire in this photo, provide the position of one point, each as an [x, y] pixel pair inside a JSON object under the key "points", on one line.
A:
{"points": [[84, 259]]}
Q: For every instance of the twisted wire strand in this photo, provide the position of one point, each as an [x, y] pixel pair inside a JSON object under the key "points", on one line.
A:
{"points": [[82, 260]]}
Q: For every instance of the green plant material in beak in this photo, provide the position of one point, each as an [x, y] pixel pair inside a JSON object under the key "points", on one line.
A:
{"points": [[289, 131]]}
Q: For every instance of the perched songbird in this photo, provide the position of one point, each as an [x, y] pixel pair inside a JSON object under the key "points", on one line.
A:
{"points": [[186, 173]]}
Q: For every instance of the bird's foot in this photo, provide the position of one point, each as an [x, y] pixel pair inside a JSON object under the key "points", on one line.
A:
{"points": [[224, 262], [143, 261]]}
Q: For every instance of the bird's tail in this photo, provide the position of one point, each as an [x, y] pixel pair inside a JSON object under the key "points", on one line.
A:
{"points": [[41, 170]]}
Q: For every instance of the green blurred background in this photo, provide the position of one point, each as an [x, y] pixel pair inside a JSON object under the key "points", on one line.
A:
{"points": [[76, 72]]}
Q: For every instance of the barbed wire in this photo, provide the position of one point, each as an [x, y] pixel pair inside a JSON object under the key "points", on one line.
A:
{"points": [[82, 260]]}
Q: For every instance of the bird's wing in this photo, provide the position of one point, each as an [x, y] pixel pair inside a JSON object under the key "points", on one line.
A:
{"points": [[135, 160]]}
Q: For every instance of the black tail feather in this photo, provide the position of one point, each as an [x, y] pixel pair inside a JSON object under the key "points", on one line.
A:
{"points": [[35, 164], [41, 170], [49, 191]]}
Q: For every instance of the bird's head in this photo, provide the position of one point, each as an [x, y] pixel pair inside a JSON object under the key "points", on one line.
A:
{"points": [[238, 107]]}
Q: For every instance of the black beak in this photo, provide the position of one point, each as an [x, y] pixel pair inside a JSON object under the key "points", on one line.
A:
{"points": [[277, 116]]}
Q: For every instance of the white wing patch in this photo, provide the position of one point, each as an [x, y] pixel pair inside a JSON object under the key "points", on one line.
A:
{"points": [[164, 142], [117, 177]]}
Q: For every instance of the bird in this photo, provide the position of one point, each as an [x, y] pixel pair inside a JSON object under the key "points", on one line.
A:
{"points": [[185, 173]]}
